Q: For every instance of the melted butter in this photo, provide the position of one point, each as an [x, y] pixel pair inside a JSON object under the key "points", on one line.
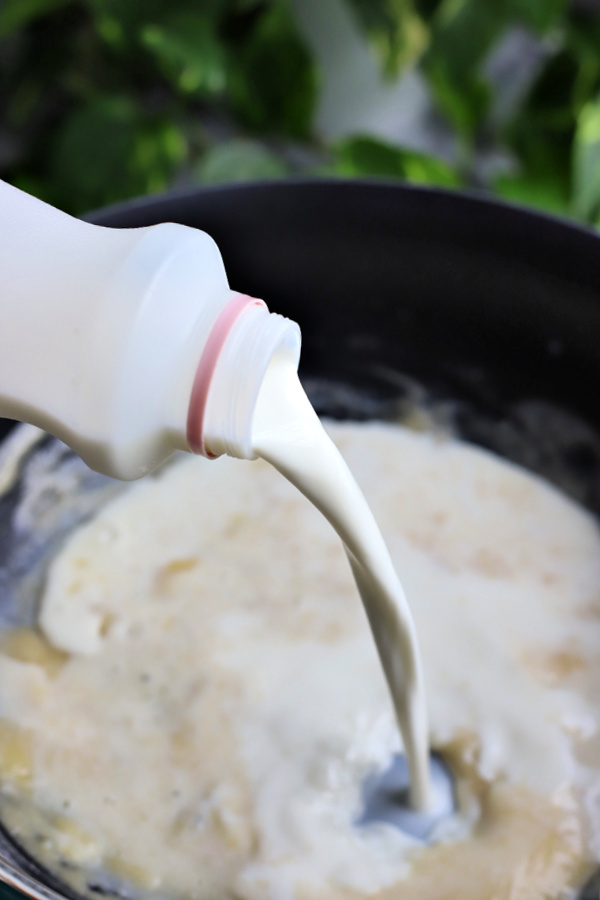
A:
{"points": [[223, 702]]}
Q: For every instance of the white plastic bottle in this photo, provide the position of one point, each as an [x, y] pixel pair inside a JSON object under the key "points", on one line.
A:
{"points": [[128, 344]]}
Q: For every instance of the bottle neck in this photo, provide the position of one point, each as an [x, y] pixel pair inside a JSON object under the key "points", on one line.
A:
{"points": [[243, 342]]}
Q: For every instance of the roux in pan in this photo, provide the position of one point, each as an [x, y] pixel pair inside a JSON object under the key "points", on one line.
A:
{"points": [[206, 701]]}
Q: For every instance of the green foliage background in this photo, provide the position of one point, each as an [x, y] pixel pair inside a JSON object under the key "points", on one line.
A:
{"points": [[101, 100]]}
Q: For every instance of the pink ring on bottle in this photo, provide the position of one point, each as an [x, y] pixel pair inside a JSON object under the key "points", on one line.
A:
{"points": [[206, 367]]}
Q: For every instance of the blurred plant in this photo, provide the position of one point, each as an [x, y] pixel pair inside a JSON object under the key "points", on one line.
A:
{"points": [[397, 33], [106, 99], [101, 100]]}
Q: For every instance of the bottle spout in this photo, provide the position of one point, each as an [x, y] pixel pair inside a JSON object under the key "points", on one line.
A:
{"points": [[244, 340]]}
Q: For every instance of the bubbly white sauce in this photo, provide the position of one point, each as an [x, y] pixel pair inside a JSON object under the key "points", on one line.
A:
{"points": [[215, 701]]}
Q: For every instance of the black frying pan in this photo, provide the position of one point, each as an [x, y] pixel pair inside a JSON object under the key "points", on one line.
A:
{"points": [[487, 314]]}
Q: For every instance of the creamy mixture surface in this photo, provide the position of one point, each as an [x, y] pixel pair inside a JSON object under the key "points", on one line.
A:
{"points": [[199, 708]]}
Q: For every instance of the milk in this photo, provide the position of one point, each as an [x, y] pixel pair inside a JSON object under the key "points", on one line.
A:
{"points": [[287, 433]]}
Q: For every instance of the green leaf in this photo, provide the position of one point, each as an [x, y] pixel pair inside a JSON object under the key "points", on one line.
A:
{"points": [[532, 189], [160, 149], [427, 8], [586, 163], [15, 14], [465, 101], [188, 52], [396, 31], [463, 32], [582, 41], [552, 103], [539, 15], [128, 16], [421, 169], [543, 135], [239, 160], [272, 78], [364, 155], [92, 152], [542, 177], [107, 151], [110, 30]]}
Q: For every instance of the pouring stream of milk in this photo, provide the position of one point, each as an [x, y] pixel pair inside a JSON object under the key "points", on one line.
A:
{"points": [[287, 433]]}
